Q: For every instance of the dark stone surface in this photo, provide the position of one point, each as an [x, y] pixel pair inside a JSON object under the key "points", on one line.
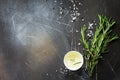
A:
{"points": [[36, 34]]}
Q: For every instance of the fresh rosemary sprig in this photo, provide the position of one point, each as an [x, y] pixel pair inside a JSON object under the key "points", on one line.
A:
{"points": [[95, 48], [76, 63]]}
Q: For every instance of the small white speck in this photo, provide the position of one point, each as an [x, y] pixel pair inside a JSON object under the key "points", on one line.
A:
{"points": [[74, 18], [83, 19], [66, 70], [55, 1], [76, 11], [90, 26], [83, 48], [72, 1], [95, 24], [77, 30], [56, 70], [61, 69], [69, 6], [61, 8], [78, 14], [71, 21], [89, 35], [76, 8], [74, 5], [73, 11], [61, 12], [91, 32], [94, 21], [61, 3], [47, 74], [80, 4], [61, 72], [79, 43]]}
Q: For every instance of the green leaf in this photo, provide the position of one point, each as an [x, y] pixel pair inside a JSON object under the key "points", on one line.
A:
{"points": [[76, 63], [113, 37], [84, 40]]}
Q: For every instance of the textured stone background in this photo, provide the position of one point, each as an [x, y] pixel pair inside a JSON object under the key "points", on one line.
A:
{"points": [[36, 34]]}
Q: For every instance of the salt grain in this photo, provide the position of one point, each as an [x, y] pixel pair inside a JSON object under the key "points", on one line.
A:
{"points": [[56, 70], [47, 74], [79, 43], [60, 8], [72, 1], [61, 69], [61, 3], [55, 1], [74, 5], [77, 31], [83, 19], [89, 35], [71, 21], [74, 18], [61, 12], [61, 72], [80, 3], [78, 14], [90, 26]]}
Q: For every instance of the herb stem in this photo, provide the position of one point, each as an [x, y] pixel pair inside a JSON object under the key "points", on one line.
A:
{"points": [[94, 50]]}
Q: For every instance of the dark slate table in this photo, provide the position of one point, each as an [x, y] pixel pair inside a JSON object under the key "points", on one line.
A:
{"points": [[36, 34]]}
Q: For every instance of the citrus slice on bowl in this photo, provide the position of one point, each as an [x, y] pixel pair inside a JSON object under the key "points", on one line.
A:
{"points": [[73, 60]]}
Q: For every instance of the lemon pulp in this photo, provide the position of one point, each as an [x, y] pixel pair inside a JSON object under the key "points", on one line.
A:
{"points": [[73, 60]]}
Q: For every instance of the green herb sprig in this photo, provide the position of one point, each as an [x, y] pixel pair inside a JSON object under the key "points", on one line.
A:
{"points": [[95, 48]]}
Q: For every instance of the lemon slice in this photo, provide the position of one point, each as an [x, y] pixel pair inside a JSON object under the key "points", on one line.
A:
{"points": [[73, 60]]}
